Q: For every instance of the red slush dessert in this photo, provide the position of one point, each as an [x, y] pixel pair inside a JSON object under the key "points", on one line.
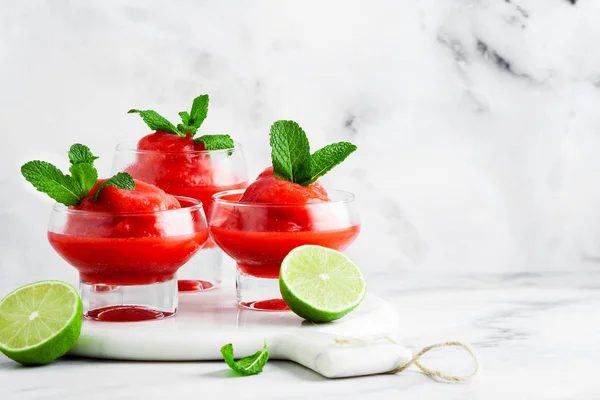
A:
{"points": [[260, 240], [180, 162], [182, 167], [128, 237]]}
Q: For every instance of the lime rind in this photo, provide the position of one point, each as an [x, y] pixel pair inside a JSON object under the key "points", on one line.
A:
{"points": [[40, 322], [321, 284]]}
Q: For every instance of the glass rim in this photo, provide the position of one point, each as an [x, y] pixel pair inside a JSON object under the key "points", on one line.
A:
{"points": [[195, 205], [217, 198], [132, 147]]}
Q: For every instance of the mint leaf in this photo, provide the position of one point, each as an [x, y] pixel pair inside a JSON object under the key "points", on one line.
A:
{"points": [[290, 152], [216, 142], [323, 160], [250, 365], [48, 179], [122, 180], [78, 153], [82, 168], [185, 117], [85, 174], [157, 122], [198, 113]]}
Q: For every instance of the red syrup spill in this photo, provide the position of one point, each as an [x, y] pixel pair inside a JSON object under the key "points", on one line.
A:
{"points": [[189, 285], [126, 314], [266, 305]]}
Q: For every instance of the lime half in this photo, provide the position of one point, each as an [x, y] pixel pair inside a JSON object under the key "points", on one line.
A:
{"points": [[320, 284], [40, 322]]}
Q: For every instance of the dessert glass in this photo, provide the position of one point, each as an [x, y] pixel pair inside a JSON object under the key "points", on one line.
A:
{"points": [[127, 262], [258, 236]]}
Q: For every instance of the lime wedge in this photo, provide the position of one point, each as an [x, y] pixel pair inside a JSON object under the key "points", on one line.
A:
{"points": [[320, 284], [40, 322]]}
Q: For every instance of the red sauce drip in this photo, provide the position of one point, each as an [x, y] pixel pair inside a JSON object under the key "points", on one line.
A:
{"points": [[266, 305], [189, 285], [126, 314]]}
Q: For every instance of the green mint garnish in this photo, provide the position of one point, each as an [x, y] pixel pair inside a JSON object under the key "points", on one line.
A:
{"points": [[198, 113], [185, 117], [82, 168], [250, 365], [48, 179], [216, 142], [157, 122], [190, 123], [86, 175], [290, 154], [323, 160], [70, 190], [290, 151], [79, 153], [122, 180]]}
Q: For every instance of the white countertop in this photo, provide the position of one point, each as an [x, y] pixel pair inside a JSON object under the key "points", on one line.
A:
{"points": [[536, 336]]}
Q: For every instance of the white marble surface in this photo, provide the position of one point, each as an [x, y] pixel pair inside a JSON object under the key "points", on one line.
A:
{"points": [[536, 336]]}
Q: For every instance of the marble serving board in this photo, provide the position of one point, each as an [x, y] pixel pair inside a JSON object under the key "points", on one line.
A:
{"points": [[352, 346]]}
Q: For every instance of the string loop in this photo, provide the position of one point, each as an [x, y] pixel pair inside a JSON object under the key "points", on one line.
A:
{"points": [[437, 375]]}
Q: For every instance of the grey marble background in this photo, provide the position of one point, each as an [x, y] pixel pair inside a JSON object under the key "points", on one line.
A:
{"points": [[477, 121]]}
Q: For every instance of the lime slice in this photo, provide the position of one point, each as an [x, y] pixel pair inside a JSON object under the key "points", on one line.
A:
{"points": [[320, 284], [40, 322]]}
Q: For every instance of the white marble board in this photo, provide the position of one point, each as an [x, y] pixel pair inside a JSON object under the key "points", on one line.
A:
{"points": [[206, 321]]}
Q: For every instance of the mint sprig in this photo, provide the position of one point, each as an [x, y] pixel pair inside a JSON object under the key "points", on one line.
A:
{"points": [[291, 158], [250, 365], [70, 190], [122, 180], [190, 123]]}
